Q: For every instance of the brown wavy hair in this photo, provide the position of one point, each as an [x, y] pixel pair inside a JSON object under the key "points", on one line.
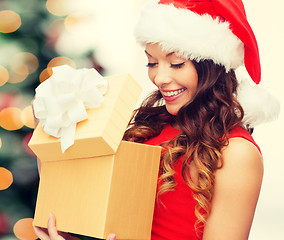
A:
{"points": [[205, 122]]}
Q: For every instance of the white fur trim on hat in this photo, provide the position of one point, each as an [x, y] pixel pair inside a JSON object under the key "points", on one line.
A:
{"points": [[191, 35], [258, 104]]}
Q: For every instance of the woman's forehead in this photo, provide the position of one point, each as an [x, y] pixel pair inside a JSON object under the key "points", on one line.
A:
{"points": [[155, 49]]}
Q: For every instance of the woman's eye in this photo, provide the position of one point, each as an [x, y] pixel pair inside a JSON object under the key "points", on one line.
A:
{"points": [[179, 65], [151, 65]]}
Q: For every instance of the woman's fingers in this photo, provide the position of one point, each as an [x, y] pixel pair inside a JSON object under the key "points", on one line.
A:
{"points": [[41, 233], [52, 231], [111, 237]]}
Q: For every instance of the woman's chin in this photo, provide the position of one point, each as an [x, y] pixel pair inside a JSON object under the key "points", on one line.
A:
{"points": [[172, 111]]}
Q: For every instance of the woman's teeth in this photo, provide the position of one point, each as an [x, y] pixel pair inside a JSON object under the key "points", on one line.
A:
{"points": [[173, 93]]}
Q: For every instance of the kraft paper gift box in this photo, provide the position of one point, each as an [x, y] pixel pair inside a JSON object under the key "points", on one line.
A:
{"points": [[99, 185]]}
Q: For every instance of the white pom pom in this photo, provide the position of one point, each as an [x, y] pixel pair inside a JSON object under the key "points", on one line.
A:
{"points": [[258, 104]]}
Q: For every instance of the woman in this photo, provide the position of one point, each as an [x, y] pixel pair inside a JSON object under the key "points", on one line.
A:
{"points": [[211, 168]]}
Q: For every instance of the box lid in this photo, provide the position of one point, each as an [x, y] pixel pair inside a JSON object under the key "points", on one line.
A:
{"points": [[102, 132]]}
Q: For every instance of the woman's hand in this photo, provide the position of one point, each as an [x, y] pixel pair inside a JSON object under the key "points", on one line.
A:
{"points": [[51, 232]]}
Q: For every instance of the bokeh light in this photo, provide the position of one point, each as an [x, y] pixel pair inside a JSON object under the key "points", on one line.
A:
{"points": [[6, 178], [10, 118], [9, 21], [14, 99], [53, 31], [44, 75], [4, 75], [78, 23], [22, 64], [5, 223], [19, 76], [6, 100], [59, 7], [27, 59], [27, 117], [57, 61], [23, 229]]}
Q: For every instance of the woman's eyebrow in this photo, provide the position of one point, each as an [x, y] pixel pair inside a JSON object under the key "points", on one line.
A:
{"points": [[148, 53], [169, 54]]}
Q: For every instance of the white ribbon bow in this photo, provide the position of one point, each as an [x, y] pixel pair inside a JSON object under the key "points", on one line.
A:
{"points": [[61, 101]]}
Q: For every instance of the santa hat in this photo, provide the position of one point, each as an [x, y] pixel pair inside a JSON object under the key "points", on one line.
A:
{"points": [[216, 30]]}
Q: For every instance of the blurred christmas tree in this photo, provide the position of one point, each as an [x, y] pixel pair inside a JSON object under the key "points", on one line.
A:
{"points": [[35, 35]]}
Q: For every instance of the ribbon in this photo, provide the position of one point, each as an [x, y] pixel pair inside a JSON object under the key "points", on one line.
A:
{"points": [[61, 101]]}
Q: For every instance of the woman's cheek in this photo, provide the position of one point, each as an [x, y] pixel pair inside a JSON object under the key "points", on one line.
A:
{"points": [[151, 76]]}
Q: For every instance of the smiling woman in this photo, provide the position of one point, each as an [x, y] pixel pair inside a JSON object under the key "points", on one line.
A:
{"points": [[192, 59]]}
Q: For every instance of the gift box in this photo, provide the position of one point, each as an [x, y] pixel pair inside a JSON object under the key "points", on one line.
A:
{"points": [[99, 185]]}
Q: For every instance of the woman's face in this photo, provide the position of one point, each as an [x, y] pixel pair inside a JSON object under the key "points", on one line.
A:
{"points": [[175, 77]]}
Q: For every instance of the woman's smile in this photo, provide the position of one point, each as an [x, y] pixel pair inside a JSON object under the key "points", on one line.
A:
{"points": [[172, 95]]}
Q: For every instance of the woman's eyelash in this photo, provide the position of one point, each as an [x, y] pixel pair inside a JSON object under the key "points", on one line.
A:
{"points": [[151, 64], [179, 65]]}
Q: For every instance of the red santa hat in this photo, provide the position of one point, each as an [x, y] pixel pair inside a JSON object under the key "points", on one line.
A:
{"points": [[216, 30]]}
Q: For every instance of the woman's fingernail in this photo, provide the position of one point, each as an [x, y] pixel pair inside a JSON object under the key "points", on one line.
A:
{"points": [[111, 237]]}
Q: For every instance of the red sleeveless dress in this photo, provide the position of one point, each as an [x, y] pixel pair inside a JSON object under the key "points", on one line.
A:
{"points": [[174, 219]]}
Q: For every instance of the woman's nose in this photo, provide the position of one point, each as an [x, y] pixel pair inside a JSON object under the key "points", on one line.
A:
{"points": [[162, 77]]}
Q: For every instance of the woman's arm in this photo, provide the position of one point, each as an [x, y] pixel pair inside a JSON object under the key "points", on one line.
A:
{"points": [[237, 188]]}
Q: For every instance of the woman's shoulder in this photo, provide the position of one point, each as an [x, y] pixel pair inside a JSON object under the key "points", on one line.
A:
{"points": [[241, 149], [242, 154], [243, 135]]}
